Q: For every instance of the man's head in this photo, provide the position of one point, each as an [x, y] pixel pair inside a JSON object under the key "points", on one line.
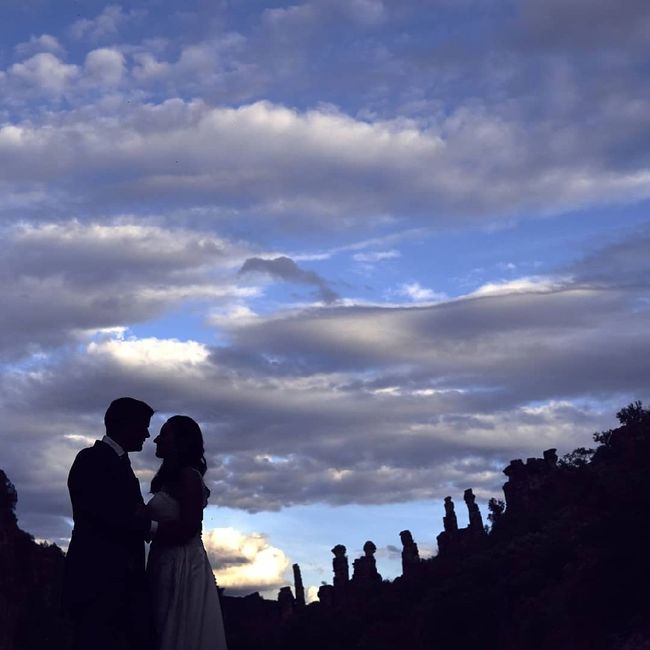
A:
{"points": [[127, 422]]}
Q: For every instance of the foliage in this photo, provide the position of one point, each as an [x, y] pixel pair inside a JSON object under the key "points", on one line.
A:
{"points": [[629, 416], [577, 458], [496, 508]]}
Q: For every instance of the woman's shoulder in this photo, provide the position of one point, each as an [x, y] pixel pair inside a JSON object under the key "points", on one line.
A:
{"points": [[193, 481], [190, 474]]}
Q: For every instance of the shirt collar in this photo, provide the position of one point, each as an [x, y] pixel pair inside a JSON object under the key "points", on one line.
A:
{"points": [[113, 445]]}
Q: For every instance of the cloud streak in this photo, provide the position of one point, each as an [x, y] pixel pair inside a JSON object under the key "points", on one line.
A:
{"points": [[284, 268]]}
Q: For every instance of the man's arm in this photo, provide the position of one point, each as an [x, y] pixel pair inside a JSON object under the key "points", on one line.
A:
{"points": [[100, 495]]}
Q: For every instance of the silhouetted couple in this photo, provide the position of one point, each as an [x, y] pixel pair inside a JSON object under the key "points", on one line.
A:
{"points": [[115, 603]]}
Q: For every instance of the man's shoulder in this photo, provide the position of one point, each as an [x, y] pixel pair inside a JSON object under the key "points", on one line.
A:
{"points": [[98, 453]]}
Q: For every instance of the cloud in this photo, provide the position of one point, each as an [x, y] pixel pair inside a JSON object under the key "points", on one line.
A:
{"points": [[168, 355], [105, 66], [558, 24], [472, 166], [65, 281], [356, 404], [311, 15], [284, 268], [105, 25], [376, 256], [245, 563], [418, 293], [42, 43], [44, 72], [340, 403]]}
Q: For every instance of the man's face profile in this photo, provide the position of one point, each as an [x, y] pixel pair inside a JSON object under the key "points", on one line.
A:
{"points": [[134, 433]]}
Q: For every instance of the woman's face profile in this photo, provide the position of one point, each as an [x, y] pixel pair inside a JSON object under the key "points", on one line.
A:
{"points": [[165, 442]]}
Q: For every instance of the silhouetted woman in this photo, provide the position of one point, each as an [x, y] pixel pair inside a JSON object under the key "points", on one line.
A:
{"points": [[186, 610]]}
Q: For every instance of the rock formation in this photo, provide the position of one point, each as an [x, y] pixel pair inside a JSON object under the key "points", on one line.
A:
{"points": [[410, 554], [454, 541], [365, 568], [523, 489], [475, 527], [447, 538], [287, 602], [300, 590], [326, 595], [340, 566]]}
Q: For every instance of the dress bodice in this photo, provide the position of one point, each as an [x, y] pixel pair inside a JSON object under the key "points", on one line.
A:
{"points": [[164, 507]]}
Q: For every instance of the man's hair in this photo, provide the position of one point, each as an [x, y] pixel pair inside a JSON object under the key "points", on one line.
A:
{"points": [[124, 410]]}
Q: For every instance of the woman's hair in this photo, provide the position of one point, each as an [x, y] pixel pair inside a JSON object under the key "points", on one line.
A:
{"points": [[188, 440]]}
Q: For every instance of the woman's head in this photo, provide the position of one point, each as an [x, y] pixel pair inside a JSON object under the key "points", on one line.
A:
{"points": [[180, 440], [179, 444]]}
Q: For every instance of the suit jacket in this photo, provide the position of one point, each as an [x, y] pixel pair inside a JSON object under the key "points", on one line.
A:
{"points": [[106, 555]]}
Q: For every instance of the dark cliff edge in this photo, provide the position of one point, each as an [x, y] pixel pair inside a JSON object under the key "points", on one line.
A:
{"points": [[564, 565]]}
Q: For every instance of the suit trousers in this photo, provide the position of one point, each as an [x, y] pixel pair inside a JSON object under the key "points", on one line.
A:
{"points": [[114, 622]]}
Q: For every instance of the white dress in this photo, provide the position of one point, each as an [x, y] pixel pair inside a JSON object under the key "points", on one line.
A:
{"points": [[186, 609]]}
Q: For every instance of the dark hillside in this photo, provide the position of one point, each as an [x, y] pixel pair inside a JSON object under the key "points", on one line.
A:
{"points": [[30, 584], [565, 565]]}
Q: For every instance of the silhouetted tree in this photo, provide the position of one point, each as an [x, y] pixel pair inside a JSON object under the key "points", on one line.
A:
{"points": [[496, 508]]}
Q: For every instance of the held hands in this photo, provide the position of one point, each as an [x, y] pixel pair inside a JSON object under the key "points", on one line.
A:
{"points": [[144, 521]]}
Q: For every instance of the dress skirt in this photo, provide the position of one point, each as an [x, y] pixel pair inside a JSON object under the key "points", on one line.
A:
{"points": [[186, 608]]}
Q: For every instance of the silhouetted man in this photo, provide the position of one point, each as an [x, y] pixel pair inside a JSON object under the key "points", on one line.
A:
{"points": [[105, 585]]}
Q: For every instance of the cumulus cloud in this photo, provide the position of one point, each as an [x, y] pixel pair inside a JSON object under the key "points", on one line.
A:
{"points": [[44, 72], [105, 66], [105, 25], [284, 268], [42, 43], [245, 563]]}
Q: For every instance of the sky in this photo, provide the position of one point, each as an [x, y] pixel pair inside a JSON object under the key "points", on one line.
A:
{"points": [[376, 249]]}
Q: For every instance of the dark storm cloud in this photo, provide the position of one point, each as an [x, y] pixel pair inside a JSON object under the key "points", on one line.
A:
{"points": [[284, 268]]}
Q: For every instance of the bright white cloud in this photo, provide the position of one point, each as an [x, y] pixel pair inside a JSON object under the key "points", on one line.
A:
{"points": [[416, 292], [45, 72], [244, 563], [105, 66], [163, 355]]}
